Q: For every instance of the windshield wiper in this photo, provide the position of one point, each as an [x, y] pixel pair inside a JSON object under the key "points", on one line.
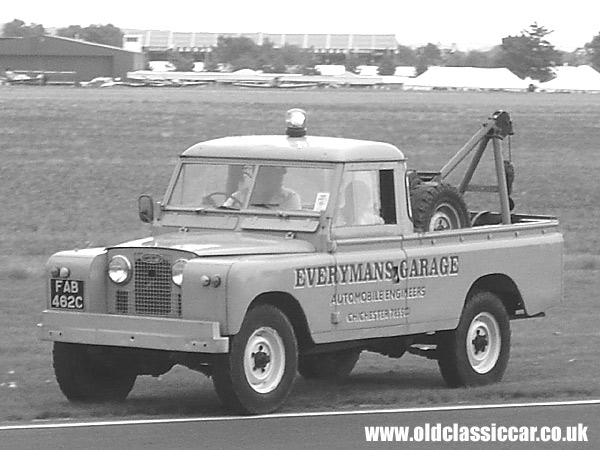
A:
{"points": [[203, 210], [265, 205]]}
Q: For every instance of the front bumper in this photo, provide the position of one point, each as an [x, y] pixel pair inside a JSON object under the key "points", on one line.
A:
{"points": [[133, 331]]}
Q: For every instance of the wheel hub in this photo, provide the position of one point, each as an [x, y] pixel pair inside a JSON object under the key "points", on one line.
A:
{"points": [[483, 343], [445, 217], [441, 222], [480, 342], [261, 359], [264, 360]]}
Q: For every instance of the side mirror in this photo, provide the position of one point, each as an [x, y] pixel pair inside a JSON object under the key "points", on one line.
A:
{"points": [[146, 208]]}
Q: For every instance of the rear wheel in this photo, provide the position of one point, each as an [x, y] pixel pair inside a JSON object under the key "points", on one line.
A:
{"points": [[477, 352], [257, 374], [438, 207], [328, 365], [84, 375]]}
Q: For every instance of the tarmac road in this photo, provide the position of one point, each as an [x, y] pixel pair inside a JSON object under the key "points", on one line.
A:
{"points": [[344, 430]]}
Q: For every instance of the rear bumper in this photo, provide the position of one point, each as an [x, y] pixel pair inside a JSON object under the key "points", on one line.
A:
{"points": [[133, 331]]}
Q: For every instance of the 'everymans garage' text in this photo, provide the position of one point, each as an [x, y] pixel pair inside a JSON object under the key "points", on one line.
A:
{"points": [[372, 272]]}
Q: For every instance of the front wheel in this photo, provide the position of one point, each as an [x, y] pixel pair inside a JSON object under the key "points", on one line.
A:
{"points": [[91, 374], [257, 374], [477, 352]]}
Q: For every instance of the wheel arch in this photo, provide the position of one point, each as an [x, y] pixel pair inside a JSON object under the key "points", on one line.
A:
{"points": [[290, 306], [504, 287]]}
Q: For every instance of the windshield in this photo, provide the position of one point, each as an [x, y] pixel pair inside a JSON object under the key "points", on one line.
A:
{"points": [[241, 186]]}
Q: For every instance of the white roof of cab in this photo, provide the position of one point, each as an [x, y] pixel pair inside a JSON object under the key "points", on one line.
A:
{"points": [[309, 148]]}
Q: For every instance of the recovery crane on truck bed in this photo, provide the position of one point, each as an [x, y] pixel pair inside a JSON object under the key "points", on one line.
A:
{"points": [[495, 129]]}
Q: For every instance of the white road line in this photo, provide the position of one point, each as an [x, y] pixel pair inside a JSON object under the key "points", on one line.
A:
{"points": [[39, 425]]}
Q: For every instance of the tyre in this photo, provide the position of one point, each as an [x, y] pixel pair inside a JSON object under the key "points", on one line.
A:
{"points": [[476, 353], [258, 373], [328, 365], [438, 207], [83, 375]]}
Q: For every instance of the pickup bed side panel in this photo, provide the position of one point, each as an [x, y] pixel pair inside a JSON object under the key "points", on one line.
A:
{"points": [[447, 264]]}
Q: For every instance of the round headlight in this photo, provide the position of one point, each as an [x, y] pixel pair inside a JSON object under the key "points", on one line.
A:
{"points": [[119, 269], [177, 271]]}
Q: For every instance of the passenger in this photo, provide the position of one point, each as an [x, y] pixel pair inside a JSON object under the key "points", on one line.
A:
{"points": [[358, 207]]}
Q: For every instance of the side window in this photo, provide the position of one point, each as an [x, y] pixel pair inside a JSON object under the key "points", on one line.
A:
{"points": [[388, 196], [367, 199]]}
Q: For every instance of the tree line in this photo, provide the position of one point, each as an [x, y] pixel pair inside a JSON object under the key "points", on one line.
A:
{"points": [[99, 34], [529, 54]]}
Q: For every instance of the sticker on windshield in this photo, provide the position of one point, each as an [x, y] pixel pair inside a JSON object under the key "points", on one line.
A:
{"points": [[321, 201]]}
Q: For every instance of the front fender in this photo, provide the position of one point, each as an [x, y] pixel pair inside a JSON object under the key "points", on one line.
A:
{"points": [[205, 290], [87, 265], [252, 277]]}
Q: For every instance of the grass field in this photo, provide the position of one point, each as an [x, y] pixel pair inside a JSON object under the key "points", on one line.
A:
{"points": [[74, 161]]}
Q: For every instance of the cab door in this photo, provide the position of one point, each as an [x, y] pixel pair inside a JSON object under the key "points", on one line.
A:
{"points": [[369, 296]]}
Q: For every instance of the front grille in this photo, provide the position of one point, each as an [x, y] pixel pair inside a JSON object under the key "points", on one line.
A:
{"points": [[151, 291], [152, 287]]}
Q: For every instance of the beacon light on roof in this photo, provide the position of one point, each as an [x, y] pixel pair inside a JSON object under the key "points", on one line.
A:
{"points": [[296, 123]]}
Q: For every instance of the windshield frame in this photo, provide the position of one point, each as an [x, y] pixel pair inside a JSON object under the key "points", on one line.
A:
{"points": [[245, 210]]}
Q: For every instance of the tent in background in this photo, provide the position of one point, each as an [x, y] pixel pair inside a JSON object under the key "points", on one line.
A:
{"points": [[573, 79], [467, 78], [331, 69], [405, 71]]}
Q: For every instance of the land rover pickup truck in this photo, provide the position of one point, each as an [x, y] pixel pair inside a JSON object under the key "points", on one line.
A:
{"points": [[271, 256]]}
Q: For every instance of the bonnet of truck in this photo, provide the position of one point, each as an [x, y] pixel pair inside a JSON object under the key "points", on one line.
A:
{"points": [[151, 288], [205, 243]]}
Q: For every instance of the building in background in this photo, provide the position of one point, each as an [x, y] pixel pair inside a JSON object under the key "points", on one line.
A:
{"points": [[53, 54], [156, 43]]}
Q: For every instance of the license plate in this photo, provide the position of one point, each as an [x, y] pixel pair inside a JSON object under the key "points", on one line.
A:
{"points": [[66, 294]]}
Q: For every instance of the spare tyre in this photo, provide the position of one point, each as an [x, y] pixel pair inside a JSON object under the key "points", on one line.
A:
{"points": [[437, 207]]}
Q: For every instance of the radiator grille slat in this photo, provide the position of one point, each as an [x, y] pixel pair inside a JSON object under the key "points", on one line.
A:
{"points": [[122, 303]]}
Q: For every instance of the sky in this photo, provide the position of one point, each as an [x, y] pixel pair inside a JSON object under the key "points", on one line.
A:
{"points": [[468, 24]]}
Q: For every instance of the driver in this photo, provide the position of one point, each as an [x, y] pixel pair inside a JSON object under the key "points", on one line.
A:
{"points": [[268, 190], [238, 198]]}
